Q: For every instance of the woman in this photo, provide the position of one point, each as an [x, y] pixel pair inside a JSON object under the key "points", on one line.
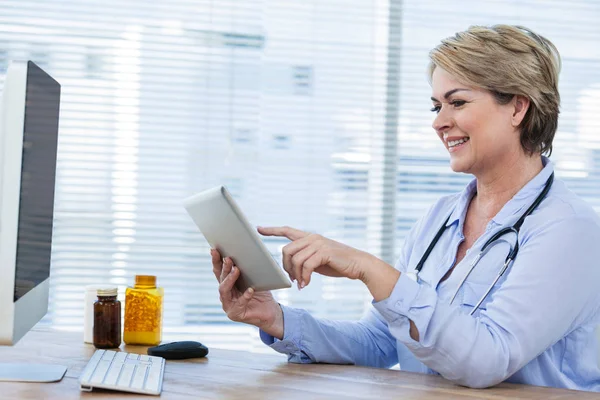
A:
{"points": [[495, 96]]}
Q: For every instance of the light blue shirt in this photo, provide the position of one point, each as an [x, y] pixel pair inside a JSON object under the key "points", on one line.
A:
{"points": [[536, 327]]}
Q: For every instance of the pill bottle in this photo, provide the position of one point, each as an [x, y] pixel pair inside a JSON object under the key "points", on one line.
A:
{"points": [[90, 297], [107, 319], [143, 312]]}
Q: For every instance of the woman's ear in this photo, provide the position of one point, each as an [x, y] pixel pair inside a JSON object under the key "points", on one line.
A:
{"points": [[520, 107]]}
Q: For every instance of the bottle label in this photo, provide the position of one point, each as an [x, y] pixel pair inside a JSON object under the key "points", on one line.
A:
{"points": [[143, 312]]}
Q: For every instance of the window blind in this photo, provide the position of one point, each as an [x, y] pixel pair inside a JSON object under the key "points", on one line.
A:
{"points": [[283, 102], [315, 114], [423, 170]]}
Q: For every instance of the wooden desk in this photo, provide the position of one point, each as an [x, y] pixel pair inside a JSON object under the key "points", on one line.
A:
{"points": [[239, 375]]}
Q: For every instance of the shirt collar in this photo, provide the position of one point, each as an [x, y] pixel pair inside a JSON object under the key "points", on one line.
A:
{"points": [[462, 203], [514, 205]]}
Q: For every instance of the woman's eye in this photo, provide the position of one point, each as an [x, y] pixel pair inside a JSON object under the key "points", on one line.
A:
{"points": [[454, 103]]}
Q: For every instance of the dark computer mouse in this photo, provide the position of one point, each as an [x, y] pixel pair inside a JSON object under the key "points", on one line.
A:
{"points": [[179, 350]]}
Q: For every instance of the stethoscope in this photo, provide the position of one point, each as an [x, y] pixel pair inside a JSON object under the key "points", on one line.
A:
{"points": [[490, 242]]}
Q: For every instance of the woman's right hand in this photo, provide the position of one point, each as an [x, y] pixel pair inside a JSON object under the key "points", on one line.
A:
{"points": [[258, 309]]}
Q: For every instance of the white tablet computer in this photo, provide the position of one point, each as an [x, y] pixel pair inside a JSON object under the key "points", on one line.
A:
{"points": [[226, 229]]}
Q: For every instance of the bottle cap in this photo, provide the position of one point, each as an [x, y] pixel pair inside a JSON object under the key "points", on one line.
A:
{"points": [[145, 280], [107, 291], [94, 288]]}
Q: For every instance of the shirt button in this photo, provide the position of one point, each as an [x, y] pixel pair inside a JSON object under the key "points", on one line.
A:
{"points": [[399, 303]]}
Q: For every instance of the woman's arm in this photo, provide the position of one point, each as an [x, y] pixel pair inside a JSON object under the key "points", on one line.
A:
{"points": [[308, 339]]}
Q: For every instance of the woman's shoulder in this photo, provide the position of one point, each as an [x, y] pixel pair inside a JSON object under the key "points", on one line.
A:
{"points": [[563, 208], [563, 202]]}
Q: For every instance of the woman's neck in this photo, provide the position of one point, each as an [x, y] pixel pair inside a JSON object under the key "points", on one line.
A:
{"points": [[496, 187]]}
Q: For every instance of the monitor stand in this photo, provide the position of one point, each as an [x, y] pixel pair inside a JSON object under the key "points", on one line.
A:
{"points": [[10, 372]]}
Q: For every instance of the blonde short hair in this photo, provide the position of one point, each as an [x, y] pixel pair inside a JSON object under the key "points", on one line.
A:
{"points": [[508, 61]]}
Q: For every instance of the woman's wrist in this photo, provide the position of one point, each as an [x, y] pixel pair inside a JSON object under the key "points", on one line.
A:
{"points": [[380, 278], [275, 326]]}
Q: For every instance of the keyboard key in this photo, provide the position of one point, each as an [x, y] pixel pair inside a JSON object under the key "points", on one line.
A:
{"points": [[132, 356], [126, 375], [100, 372], [91, 365], [139, 377], [120, 358], [154, 378], [113, 374], [144, 357], [156, 360], [109, 355]]}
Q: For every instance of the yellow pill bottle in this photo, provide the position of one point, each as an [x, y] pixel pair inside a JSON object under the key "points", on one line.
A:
{"points": [[143, 312]]}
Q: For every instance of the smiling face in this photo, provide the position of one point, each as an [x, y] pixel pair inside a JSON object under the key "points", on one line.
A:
{"points": [[480, 134]]}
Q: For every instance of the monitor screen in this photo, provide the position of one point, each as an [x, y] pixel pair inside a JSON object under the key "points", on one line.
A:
{"points": [[38, 170]]}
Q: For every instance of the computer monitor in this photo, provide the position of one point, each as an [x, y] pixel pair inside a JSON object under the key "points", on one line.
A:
{"points": [[29, 114]]}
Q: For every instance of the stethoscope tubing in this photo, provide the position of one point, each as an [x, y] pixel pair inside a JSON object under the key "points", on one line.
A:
{"points": [[487, 245]]}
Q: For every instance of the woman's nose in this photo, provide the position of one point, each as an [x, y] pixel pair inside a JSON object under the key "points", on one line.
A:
{"points": [[442, 122]]}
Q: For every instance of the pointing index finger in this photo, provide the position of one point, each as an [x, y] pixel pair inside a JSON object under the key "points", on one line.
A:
{"points": [[285, 231]]}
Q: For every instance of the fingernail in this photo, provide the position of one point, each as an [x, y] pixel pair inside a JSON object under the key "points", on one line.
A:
{"points": [[302, 285]]}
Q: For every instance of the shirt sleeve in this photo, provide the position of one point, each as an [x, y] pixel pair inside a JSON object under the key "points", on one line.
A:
{"points": [[308, 339], [551, 288]]}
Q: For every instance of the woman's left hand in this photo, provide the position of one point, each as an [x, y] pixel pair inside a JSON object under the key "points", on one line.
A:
{"points": [[309, 252]]}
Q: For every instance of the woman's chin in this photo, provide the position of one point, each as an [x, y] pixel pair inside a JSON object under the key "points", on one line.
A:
{"points": [[458, 165]]}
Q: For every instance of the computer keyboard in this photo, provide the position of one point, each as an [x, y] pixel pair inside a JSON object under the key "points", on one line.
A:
{"points": [[127, 372]]}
